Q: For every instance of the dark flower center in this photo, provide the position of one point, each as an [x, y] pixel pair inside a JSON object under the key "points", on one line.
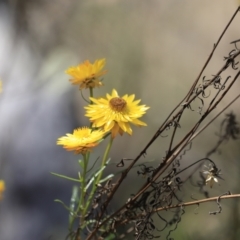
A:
{"points": [[117, 104]]}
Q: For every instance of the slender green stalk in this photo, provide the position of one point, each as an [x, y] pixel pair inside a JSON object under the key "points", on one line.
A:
{"points": [[96, 181], [105, 157], [81, 203], [91, 94]]}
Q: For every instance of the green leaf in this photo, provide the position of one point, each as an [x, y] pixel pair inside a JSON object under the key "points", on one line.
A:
{"points": [[81, 163], [73, 202], [106, 178], [65, 177], [94, 175], [64, 205], [74, 198]]}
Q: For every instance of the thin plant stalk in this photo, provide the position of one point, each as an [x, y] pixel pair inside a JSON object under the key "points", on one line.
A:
{"points": [[98, 178]]}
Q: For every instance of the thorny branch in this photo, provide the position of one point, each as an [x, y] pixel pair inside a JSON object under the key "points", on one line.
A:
{"points": [[140, 207], [227, 195]]}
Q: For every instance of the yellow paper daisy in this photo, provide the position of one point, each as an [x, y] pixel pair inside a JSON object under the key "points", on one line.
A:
{"points": [[86, 74], [2, 188], [82, 140], [116, 113]]}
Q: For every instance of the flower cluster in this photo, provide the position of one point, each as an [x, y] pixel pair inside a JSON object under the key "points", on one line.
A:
{"points": [[112, 114]]}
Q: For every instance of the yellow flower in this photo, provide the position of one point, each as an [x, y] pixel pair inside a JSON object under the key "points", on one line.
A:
{"points": [[116, 113], [86, 74], [82, 140], [2, 188]]}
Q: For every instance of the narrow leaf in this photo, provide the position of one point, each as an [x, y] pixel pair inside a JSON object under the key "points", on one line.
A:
{"points": [[65, 177]]}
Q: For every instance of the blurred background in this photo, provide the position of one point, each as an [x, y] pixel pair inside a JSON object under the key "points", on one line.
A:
{"points": [[154, 49]]}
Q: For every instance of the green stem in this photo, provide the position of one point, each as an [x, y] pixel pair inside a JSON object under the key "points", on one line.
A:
{"points": [[81, 204], [105, 157], [91, 94], [83, 185], [96, 181]]}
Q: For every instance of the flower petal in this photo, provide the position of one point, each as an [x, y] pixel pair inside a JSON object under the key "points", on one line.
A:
{"points": [[115, 114]]}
